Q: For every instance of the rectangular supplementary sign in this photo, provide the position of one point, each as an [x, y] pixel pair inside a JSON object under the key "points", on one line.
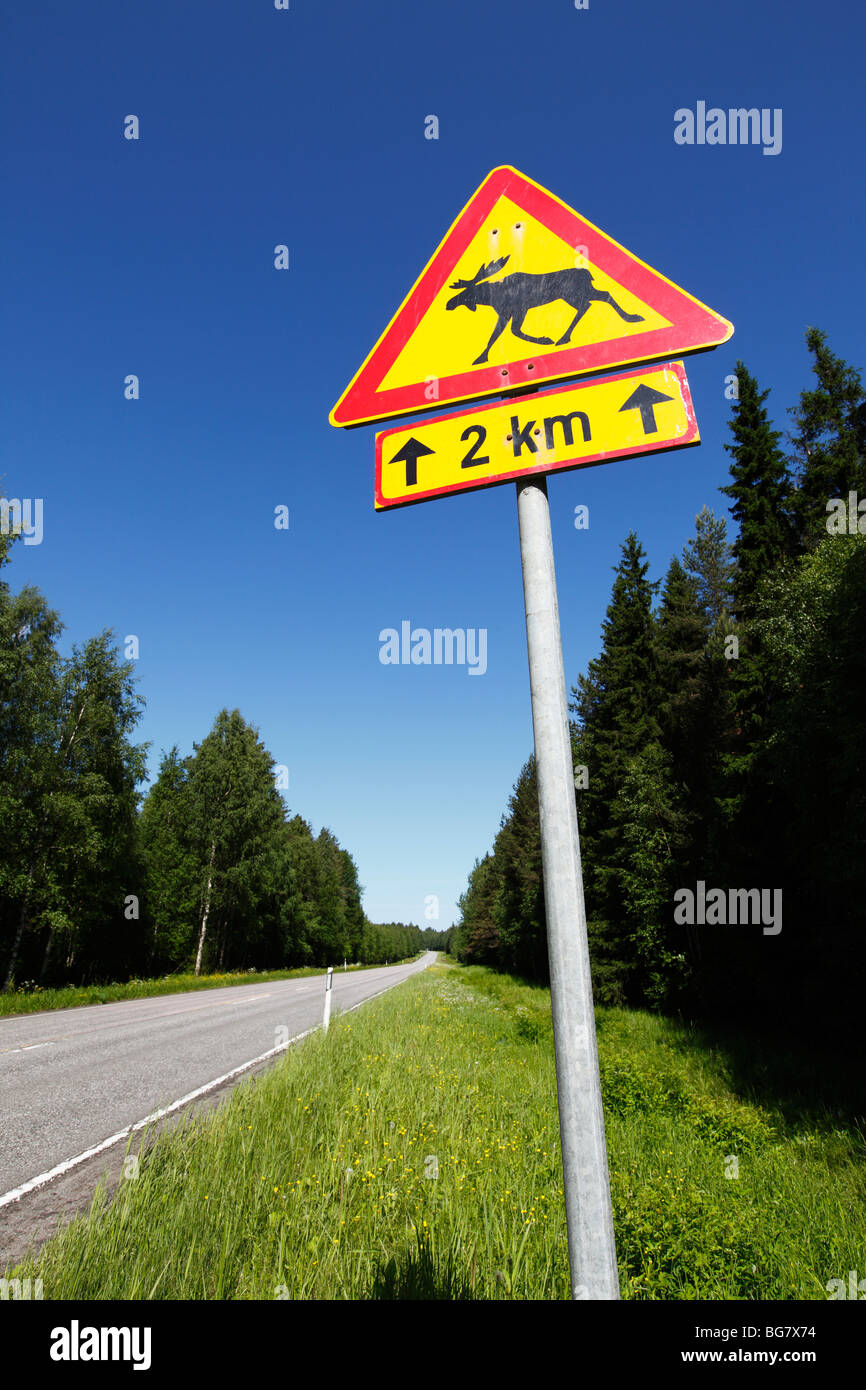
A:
{"points": [[643, 411]]}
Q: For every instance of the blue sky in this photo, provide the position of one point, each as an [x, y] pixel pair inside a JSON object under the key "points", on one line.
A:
{"points": [[306, 127]]}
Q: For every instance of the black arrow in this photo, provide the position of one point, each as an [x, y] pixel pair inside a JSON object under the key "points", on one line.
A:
{"points": [[643, 399], [410, 454]]}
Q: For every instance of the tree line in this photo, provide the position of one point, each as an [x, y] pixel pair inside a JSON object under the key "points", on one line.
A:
{"points": [[719, 742], [207, 871]]}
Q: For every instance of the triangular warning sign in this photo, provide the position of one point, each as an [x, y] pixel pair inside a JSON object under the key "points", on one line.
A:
{"points": [[522, 290]]}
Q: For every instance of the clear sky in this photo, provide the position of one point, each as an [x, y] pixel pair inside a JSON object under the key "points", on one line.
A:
{"points": [[306, 127]]}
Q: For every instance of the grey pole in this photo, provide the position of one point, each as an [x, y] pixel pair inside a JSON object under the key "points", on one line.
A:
{"points": [[591, 1248]]}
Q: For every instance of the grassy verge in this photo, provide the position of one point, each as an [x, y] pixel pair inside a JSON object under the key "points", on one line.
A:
{"points": [[412, 1152], [36, 1000]]}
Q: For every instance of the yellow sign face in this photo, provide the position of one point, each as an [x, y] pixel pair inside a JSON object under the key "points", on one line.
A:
{"points": [[521, 291], [638, 412], [565, 301]]}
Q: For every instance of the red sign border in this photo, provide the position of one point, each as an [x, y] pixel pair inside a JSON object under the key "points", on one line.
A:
{"points": [[691, 437], [694, 327]]}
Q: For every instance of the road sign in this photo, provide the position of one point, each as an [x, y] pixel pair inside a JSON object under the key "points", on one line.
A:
{"points": [[638, 412], [521, 291], [520, 267]]}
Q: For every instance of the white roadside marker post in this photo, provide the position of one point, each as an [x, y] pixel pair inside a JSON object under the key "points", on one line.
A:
{"points": [[326, 1018], [589, 1218]]}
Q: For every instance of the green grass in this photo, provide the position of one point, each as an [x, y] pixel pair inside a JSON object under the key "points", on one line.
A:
{"points": [[316, 1180], [31, 999]]}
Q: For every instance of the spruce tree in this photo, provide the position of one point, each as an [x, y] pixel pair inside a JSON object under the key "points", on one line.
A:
{"points": [[617, 702], [518, 911], [354, 912], [760, 487], [691, 714], [652, 823], [477, 939], [618, 707], [812, 794], [306, 927], [707, 558], [681, 640], [829, 439], [337, 913]]}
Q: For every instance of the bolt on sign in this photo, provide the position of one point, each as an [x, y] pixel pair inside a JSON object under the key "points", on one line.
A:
{"points": [[521, 291], [637, 412]]}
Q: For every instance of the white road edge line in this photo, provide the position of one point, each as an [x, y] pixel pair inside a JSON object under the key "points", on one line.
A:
{"points": [[18, 1192]]}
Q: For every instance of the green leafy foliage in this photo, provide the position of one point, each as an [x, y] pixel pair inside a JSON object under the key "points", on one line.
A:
{"points": [[830, 439], [722, 735], [316, 1181], [210, 873]]}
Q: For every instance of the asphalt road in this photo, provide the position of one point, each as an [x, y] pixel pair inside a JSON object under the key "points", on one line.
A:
{"points": [[72, 1078]]}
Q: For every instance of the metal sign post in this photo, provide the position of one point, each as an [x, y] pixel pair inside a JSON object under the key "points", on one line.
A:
{"points": [[591, 1248]]}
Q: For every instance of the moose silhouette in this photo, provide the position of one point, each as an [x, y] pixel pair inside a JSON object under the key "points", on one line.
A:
{"points": [[513, 297]]}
